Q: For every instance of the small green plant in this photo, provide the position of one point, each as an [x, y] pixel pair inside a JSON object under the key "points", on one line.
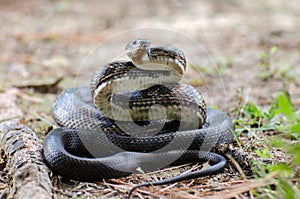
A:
{"points": [[218, 68], [266, 58], [207, 70], [282, 118], [270, 69]]}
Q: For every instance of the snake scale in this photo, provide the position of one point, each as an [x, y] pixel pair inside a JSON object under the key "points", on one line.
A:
{"points": [[135, 115]]}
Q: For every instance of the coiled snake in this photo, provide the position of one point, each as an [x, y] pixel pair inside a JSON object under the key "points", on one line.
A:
{"points": [[135, 115]]}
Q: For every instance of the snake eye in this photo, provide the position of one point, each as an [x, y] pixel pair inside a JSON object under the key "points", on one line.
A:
{"points": [[134, 42]]}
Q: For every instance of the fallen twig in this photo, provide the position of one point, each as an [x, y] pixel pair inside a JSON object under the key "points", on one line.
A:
{"points": [[30, 179]]}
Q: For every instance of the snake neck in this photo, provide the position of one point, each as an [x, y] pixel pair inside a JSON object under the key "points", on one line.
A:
{"points": [[139, 56]]}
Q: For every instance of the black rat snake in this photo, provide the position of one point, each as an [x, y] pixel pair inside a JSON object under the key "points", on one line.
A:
{"points": [[170, 121]]}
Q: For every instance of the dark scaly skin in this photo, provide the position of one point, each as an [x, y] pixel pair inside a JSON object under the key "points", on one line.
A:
{"points": [[92, 147], [66, 154]]}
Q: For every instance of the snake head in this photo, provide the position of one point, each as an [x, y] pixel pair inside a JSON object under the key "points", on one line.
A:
{"points": [[136, 49], [137, 44]]}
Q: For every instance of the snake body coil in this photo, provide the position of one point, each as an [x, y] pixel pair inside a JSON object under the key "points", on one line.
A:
{"points": [[135, 115]]}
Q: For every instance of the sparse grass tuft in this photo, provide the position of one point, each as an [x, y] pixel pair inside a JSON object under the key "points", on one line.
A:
{"points": [[271, 69], [282, 119]]}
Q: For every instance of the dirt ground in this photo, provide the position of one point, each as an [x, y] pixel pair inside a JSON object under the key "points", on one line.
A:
{"points": [[45, 41]]}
